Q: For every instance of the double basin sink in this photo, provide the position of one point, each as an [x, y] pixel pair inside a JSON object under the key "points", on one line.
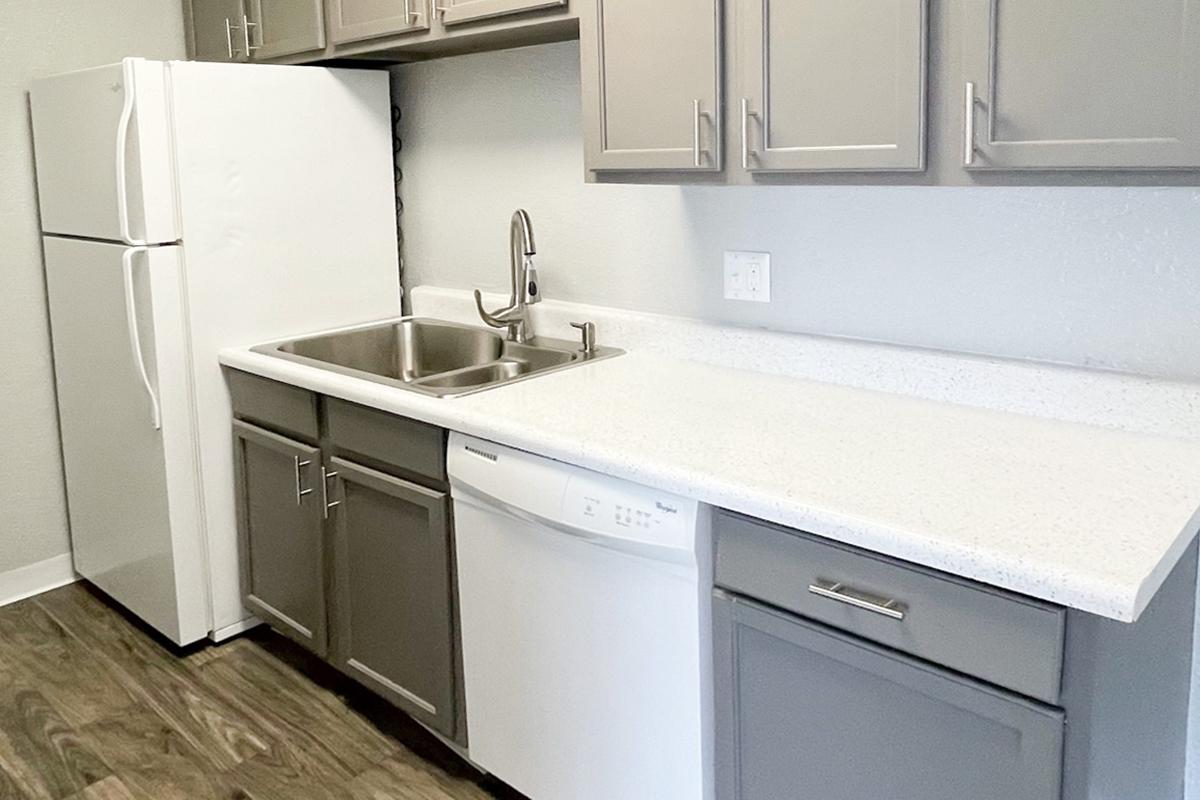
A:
{"points": [[433, 357]]}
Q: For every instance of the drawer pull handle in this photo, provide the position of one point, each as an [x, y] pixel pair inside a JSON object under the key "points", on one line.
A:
{"points": [[840, 593]]}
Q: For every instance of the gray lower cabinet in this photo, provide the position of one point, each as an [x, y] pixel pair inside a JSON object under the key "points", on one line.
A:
{"points": [[1077, 84], [833, 85], [842, 674], [353, 20], [282, 539], [286, 27], [394, 627], [454, 12], [214, 28], [651, 79], [805, 711], [346, 541]]}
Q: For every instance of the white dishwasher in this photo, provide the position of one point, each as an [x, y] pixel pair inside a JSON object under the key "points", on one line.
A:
{"points": [[585, 604]]}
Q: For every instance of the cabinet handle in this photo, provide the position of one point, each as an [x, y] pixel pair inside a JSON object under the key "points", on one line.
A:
{"points": [[413, 17], [969, 149], [697, 116], [246, 26], [747, 153], [840, 593], [300, 491], [229, 38], [325, 476]]}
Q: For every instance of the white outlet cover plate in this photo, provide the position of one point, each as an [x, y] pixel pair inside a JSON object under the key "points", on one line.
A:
{"points": [[747, 276]]}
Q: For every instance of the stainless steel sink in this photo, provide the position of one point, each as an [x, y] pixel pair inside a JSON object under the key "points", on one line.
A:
{"points": [[433, 357]]}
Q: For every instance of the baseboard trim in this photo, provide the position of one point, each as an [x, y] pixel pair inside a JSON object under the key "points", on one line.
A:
{"points": [[34, 579]]}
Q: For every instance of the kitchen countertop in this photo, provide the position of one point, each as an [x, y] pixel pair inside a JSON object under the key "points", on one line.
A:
{"points": [[1084, 516]]}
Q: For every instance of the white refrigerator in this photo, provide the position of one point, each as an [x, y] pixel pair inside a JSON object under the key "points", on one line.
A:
{"points": [[187, 207]]}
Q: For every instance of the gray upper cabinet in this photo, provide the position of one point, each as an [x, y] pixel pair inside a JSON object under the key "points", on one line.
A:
{"points": [[280, 525], [804, 711], [286, 27], [394, 628], [652, 84], [833, 85], [1078, 84], [352, 20], [456, 11], [215, 28]]}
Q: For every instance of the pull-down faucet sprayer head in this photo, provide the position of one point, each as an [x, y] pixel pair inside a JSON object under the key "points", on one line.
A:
{"points": [[523, 227]]}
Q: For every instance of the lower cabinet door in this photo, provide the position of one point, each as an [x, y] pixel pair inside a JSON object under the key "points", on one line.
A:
{"points": [[280, 530], [804, 711], [394, 620]]}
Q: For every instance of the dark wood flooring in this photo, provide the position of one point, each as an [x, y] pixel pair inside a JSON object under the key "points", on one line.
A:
{"points": [[94, 707]]}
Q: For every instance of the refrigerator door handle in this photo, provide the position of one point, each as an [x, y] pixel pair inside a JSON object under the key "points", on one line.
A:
{"points": [[122, 146], [135, 339]]}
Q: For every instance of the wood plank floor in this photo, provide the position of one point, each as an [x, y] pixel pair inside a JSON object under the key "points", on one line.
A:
{"points": [[94, 707]]}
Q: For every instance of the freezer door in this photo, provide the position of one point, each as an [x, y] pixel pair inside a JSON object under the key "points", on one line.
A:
{"points": [[102, 147], [124, 405]]}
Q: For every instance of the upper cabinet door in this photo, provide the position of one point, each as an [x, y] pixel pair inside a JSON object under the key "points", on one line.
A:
{"points": [[831, 84], [285, 27], [651, 84], [455, 11], [216, 30], [1077, 84], [351, 20]]}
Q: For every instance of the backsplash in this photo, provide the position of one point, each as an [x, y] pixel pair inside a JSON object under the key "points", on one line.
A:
{"points": [[1101, 277]]}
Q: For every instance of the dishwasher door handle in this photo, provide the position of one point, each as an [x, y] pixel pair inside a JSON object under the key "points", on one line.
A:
{"points": [[463, 493]]}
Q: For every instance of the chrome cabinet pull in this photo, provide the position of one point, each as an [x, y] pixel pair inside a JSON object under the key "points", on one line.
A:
{"points": [[969, 148], [300, 490], [246, 26], [697, 116], [325, 476], [841, 593], [747, 153], [229, 37]]}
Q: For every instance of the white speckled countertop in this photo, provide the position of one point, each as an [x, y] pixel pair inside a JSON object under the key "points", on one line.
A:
{"points": [[1088, 517]]}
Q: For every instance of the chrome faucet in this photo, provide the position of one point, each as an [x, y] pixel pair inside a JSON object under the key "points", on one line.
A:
{"points": [[525, 291]]}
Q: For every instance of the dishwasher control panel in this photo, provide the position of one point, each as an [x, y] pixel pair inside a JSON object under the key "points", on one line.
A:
{"points": [[618, 508]]}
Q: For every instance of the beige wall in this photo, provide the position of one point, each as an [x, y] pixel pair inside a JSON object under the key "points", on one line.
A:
{"points": [[41, 37]]}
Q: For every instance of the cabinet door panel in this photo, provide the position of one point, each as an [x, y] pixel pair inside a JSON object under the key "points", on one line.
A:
{"points": [[1083, 83], [395, 625], [652, 84], [831, 84], [216, 30], [351, 20], [281, 534], [288, 26], [456, 11], [803, 711]]}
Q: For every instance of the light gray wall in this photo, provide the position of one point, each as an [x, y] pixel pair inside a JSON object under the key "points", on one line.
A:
{"points": [[40, 37], [1107, 277]]}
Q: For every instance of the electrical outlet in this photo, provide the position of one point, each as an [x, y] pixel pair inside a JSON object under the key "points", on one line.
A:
{"points": [[748, 276]]}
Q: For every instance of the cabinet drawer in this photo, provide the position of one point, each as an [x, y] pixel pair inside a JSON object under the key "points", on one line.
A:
{"points": [[274, 405], [999, 637], [386, 440]]}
